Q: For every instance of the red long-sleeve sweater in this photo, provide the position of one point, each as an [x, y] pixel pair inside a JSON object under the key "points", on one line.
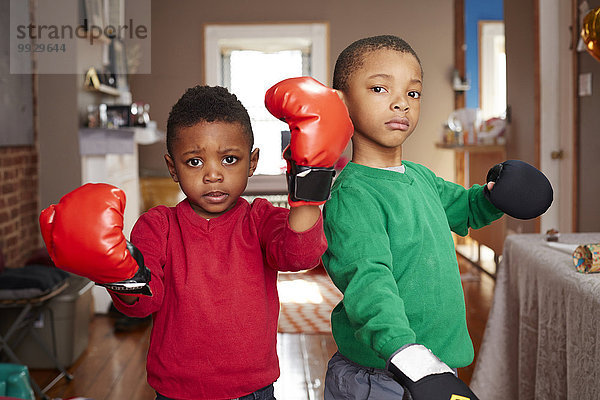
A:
{"points": [[215, 304]]}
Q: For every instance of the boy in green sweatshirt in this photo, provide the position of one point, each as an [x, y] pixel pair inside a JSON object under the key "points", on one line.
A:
{"points": [[402, 321]]}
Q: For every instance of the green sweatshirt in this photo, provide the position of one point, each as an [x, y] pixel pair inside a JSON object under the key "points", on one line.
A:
{"points": [[392, 255]]}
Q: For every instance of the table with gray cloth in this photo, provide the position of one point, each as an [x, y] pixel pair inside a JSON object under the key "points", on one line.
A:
{"points": [[542, 339]]}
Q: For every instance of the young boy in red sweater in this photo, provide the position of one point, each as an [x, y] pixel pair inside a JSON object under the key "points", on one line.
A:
{"points": [[214, 257]]}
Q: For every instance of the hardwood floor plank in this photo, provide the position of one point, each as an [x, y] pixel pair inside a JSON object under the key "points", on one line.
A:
{"points": [[132, 373], [89, 363], [291, 384], [316, 356], [130, 357], [107, 377], [100, 367], [479, 293], [143, 391]]}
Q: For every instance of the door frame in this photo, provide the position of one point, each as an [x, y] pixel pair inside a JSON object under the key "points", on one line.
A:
{"points": [[558, 116]]}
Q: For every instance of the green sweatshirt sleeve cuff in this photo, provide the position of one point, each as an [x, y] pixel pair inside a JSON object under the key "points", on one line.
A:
{"points": [[485, 211], [393, 345]]}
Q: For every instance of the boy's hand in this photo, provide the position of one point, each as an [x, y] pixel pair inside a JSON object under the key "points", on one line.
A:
{"points": [[519, 189], [426, 377], [84, 235], [320, 130]]}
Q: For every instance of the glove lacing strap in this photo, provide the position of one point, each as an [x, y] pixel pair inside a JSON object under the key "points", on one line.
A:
{"points": [[137, 284], [312, 184], [309, 183]]}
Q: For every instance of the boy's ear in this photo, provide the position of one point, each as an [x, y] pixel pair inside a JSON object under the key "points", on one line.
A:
{"points": [[253, 161], [171, 167], [340, 95]]}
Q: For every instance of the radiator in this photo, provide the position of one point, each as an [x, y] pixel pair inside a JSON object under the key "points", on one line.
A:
{"points": [[278, 200]]}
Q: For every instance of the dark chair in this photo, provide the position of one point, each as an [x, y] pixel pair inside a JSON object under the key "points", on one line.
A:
{"points": [[28, 291]]}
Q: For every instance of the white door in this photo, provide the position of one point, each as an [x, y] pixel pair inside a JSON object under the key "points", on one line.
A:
{"points": [[556, 111]]}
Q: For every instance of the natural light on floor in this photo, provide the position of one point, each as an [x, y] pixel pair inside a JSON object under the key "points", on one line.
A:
{"points": [[299, 291]]}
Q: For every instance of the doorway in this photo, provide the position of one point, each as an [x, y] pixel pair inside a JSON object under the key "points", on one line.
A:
{"points": [[492, 69]]}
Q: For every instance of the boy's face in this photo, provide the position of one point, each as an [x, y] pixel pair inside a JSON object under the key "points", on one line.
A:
{"points": [[383, 100], [211, 161]]}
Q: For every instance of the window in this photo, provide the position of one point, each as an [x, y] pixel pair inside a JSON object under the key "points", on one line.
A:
{"points": [[248, 59], [251, 73]]}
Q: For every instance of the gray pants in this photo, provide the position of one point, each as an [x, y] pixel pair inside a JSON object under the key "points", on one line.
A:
{"points": [[348, 380]]}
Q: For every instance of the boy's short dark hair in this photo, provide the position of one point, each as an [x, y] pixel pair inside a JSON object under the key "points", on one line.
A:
{"points": [[351, 58], [207, 104]]}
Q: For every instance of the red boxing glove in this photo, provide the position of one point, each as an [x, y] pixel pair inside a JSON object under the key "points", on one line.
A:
{"points": [[84, 235], [320, 130]]}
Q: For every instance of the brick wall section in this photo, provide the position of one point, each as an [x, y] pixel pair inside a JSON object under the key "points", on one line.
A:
{"points": [[19, 204]]}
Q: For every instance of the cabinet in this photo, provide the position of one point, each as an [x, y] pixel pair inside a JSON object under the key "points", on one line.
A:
{"points": [[111, 156], [472, 165]]}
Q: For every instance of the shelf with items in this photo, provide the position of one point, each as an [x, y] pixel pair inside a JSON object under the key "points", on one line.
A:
{"points": [[476, 148], [106, 140], [467, 127], [104, 89], [93, 83], [119, 116]]}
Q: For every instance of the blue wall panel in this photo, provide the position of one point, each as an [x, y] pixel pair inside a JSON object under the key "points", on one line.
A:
{"points": [[476, 10]]}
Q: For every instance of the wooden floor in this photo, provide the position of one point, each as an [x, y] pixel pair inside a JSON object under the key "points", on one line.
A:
{"points": [[113, 366]]}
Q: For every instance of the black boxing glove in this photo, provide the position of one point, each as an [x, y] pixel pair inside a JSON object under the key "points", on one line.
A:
{"points": [[425, 376], [520, 190], [137, 284]]}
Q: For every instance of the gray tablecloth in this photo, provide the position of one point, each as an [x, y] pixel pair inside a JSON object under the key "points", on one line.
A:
{"points": [[542, 339]]}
